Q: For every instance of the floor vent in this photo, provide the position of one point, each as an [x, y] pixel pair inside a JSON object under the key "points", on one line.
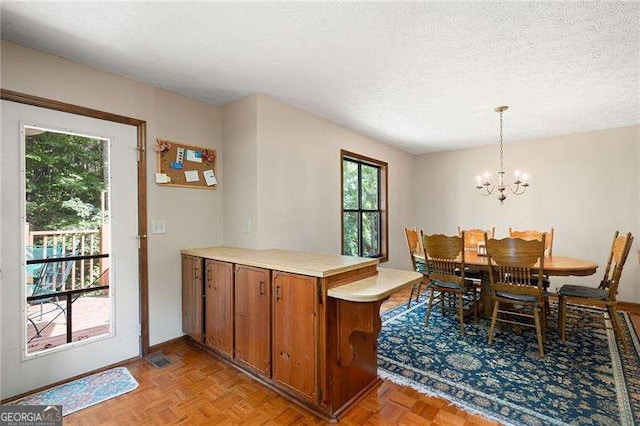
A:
{"points": [[159, 360]]}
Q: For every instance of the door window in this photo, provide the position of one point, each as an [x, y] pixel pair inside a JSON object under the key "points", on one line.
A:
{"points": [[67, 238]]}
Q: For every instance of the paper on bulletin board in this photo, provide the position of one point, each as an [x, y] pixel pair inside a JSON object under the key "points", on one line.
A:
{"points": [[209, 177], [195, 156], [191, 176]]}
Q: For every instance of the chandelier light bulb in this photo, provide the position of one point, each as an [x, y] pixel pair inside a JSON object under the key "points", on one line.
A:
{"points": [[516, 173]]}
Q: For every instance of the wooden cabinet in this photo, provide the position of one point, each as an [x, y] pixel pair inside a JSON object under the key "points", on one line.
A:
{"points": [[282, 327], [295, 333], [219, 306], [253, 318], [192, 297]]}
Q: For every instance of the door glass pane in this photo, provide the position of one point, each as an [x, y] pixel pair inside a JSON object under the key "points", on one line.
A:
{"points": [[349, 184], [350, 233], [370, 234], [369, 187], [67, 215]]}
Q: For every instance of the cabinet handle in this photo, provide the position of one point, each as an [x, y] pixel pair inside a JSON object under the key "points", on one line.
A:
{"points": [[277, 292], [261, 287]]}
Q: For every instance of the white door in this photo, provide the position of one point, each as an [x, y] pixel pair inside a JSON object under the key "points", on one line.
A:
{"points": [[23, 371]]}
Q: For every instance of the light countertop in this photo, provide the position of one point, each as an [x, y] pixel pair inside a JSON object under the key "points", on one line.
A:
{"points": [[312, 264], [377, 287]]}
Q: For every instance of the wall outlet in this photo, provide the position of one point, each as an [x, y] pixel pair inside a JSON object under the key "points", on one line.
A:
{"points": [[158, 227], [247, 225]]}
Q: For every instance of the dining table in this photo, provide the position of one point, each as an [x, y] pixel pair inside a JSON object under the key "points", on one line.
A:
{"points": [[558, 266]]}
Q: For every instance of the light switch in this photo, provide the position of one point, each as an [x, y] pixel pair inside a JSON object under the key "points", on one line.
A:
{"points": [[158, 227], [247, 225]]}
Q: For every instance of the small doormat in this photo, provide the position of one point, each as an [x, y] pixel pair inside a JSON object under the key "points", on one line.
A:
{"points": [[85, 392], [159, 360]]}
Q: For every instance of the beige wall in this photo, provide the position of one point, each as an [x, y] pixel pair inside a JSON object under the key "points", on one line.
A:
{"points": [[586, 185], [280, 168], [193, 217], [239, 143], [299, 181]]}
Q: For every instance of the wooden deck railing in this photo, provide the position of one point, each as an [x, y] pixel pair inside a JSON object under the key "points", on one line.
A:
{"points": [[77, 243]]}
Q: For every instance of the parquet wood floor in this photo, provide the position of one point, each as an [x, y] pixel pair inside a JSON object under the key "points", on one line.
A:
{"points": [[201, 389]]}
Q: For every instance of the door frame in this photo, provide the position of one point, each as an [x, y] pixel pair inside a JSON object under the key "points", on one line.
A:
{"points": [[141, 125]]}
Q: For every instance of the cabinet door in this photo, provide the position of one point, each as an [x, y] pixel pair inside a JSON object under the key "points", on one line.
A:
{"points": [[295, 333], [253, 318], [192, 297], [219, 306]]}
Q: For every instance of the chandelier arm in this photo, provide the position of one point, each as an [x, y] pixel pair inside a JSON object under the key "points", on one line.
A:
{"points": [[519, 189], [486, 190]]}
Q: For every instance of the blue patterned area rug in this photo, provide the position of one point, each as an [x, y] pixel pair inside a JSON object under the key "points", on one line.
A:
{"points": [[587, 381], [85, 392]]}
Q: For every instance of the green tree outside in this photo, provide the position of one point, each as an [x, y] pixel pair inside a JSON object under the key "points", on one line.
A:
{"points": [[65, 178]]}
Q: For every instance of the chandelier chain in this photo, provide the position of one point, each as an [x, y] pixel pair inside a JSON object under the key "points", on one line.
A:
{"points": [[501, 146]]}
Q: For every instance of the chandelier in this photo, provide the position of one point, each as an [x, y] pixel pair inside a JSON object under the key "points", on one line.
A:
{"points": [[483, 182]]}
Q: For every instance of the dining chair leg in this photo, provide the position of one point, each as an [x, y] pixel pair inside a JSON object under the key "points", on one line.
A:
{"points": [[418, 291], [617, 329], [442, 297], [496, 304], [543, 311], [536, 317], [426, 320], [461, 313], [413, 288], [476, 307], [563, 318]]}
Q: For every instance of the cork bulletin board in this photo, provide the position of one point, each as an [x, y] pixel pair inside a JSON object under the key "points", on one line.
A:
{"points": [[188, 166]]}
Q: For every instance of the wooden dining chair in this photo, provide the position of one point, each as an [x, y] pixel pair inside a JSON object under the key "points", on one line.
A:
{"points": [[414, 244], [532, 234], [444, 257], [605, 294], [474, 236], [512, 262]]}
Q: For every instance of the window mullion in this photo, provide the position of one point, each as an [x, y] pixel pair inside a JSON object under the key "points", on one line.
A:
{"points": [[360, 244], [360, 239]]}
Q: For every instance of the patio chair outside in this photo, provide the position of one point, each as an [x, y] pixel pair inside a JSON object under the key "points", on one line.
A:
{"points": [[52, 278]]}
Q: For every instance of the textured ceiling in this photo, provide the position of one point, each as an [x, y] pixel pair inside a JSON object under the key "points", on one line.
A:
{"points": [[421, 76]]}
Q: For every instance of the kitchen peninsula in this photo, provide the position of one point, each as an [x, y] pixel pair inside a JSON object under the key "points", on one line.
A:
{"points": [[305, 324]]}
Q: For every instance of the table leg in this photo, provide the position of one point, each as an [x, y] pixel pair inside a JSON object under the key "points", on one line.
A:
{"points": [[487, 303]]}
